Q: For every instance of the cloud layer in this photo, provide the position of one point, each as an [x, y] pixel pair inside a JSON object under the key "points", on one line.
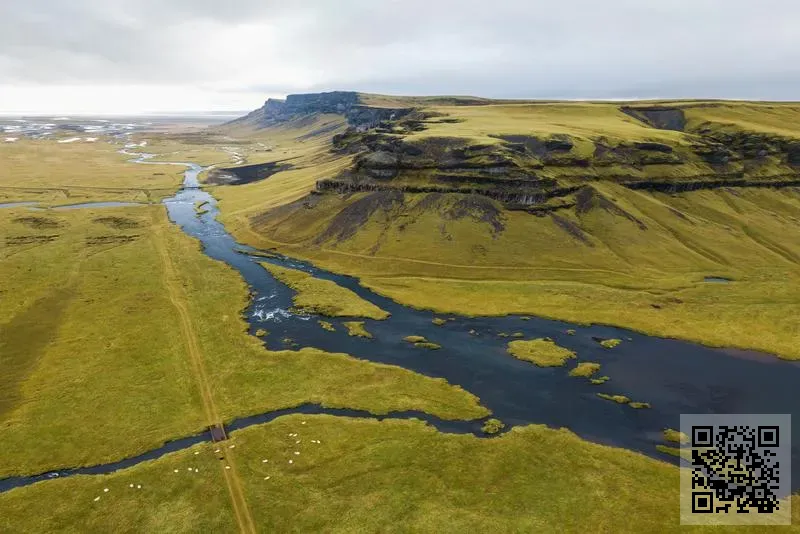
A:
{"points": [[118, 55]]}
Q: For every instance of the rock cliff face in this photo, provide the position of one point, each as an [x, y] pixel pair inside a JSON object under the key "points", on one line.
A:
{"points": [[347, 103], [536, 173]]}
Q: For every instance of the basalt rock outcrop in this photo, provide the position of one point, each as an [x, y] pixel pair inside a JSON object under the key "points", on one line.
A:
{"points": [[346, 103], [538, 173]]}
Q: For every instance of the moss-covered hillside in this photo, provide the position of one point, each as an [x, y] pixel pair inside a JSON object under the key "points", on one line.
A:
{"points": [[593, 212]]}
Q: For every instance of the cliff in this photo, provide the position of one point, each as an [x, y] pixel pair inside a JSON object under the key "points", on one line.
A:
{"points": [[346, 103]]}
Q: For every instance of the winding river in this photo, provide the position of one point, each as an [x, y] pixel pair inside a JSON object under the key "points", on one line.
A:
{"points": [[673, 376]]}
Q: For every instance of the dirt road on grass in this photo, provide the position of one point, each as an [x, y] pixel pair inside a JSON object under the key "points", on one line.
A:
{"points": [[178, 298]]}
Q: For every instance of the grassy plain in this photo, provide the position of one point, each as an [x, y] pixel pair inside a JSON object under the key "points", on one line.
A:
{"points": [[585, 369], [129, 373], [369, 476], [324, 297], [95, 369], [357, 329], [67, 173], [542, 352]]}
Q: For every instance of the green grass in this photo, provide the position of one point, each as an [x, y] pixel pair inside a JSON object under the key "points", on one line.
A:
{"points": [[585, 369], [619, 399], [492, 426], [324, 297], [129, 373], [166, 502], [541, 352], [327, 326], [675, 436], [374, 476], [89, 335], [356, 329], [584, 122], [86, 172]]}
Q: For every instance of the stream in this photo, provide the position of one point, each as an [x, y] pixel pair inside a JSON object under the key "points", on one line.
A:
{"points": [[674, 376]]}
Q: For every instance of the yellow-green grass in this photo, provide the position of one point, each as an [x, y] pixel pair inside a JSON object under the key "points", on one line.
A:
{"points": [[770, 119], [94, 366], [542, 352], [492, 426], [67, 173], [186, 501], [619, 399], [582, 121], [129, 373], [357, 329], [261, 332], [415, 339], [203, 148], [373, 476], [585, 369], [324, 297], [438, 321], [610, 343], [326, 325], [639, 405], [598, 381], [675, 436]]}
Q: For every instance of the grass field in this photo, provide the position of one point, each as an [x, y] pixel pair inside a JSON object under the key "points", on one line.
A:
{"points": [[366, 476], [97, 368], [585, 369], [542, 352], [55, 173], [63, 364]]}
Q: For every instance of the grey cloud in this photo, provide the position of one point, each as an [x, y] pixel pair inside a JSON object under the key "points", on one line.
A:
{"points": [[568, 49]]}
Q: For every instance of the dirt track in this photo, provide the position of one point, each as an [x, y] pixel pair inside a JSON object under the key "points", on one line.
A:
{"points": [[178, 298]]}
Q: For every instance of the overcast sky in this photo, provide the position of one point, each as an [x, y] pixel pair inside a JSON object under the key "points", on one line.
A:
{"points": [[72, 56]]}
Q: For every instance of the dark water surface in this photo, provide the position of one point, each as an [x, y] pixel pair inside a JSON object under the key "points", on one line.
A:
{"points": [[674, 376]]}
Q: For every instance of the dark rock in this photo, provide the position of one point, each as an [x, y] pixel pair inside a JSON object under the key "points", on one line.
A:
{"points": [[559, 144], [661, 117], [793, 154], [246, 174], [379, 160], [656, 147], [345, 103]]}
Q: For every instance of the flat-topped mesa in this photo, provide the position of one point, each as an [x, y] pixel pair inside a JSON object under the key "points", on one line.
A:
{"points": [[347, 103]]}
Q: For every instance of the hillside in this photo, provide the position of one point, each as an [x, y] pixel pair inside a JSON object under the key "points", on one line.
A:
{"points": [[587, 211]]}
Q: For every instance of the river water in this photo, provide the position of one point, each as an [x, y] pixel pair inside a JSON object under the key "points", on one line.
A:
{"points": [[674, 376]]}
